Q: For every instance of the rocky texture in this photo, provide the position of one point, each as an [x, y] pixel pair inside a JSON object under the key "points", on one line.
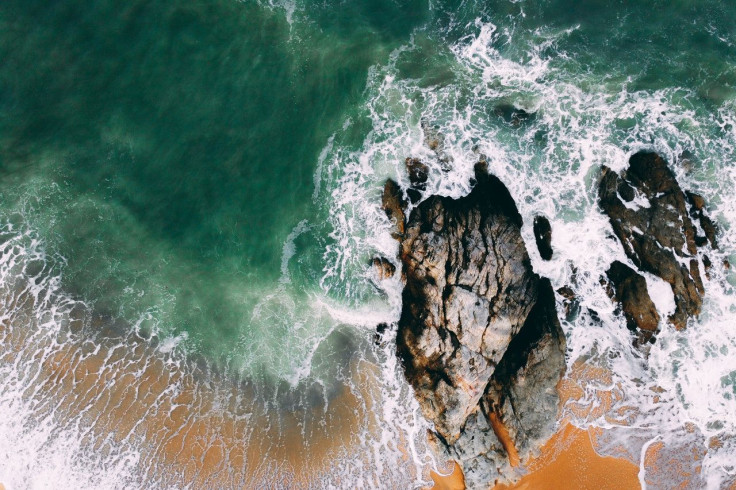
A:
{"points": [[570, 302], [630, 291], [648, 213], [698, 212], [478, 335], [393, 204], [418, 175], [384, 269], [436, 142], [543, 237]]}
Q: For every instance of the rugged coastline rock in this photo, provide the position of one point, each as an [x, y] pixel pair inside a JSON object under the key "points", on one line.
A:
{"points": [[648, 212], [418, 175], [698, 212], [383, 267], [478, 335]]}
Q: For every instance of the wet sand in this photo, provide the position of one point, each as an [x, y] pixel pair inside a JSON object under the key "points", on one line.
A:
{"points": [[212, 432], [191, 427], [453, 481], [568, 461]]}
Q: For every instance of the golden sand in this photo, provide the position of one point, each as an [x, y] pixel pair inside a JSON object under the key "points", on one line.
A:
{"points": [[502, 433], [210, 434], [222, 438], [453, 481], [568, 461]]}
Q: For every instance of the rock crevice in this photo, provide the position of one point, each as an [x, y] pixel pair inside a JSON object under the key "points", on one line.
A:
{"points": [[478, 335], [649, 214]]}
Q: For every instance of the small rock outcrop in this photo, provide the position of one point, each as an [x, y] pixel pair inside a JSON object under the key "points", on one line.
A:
{"points": [[435, 141], [631, 292], [648, 212], [543, 237], [698, 212], [418, 175], [393, 205], [478, 335], [383, 267]]}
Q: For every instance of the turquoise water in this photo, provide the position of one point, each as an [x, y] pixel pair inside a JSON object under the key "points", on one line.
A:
{"points": [[207, 174], [166, 150]]}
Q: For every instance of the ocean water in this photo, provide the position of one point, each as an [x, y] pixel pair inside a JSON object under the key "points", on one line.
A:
{"points": [[189, 201]]}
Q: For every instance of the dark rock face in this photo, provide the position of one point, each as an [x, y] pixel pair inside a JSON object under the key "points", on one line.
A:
{"points": [[393, 204], [698, 212], [630, 290], [649, 215], [543, 236], [418, 175], [479, 335]]}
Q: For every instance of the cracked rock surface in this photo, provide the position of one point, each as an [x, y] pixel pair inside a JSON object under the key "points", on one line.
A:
{"points": [[649, 214], [479, 335]]}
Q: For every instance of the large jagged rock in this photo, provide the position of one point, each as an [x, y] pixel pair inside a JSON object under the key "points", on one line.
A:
{"points": [[478, 334], [648, 212]]}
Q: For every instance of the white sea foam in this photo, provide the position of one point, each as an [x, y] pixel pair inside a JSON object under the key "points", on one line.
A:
{"points": [[60, 397], [682, 393], [550, 164]]}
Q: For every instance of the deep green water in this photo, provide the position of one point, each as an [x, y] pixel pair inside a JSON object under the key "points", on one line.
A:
{"points": [[167, 149], [207, 174], [164, 151]]}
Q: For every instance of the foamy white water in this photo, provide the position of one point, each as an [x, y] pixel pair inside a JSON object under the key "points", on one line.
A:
{"points": [[681, 394]]}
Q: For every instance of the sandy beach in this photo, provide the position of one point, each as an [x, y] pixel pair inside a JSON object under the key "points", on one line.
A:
{"points": [[204, 429]]}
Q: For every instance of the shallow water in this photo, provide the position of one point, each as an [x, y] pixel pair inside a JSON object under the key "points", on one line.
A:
{"points": [[194, 189]]}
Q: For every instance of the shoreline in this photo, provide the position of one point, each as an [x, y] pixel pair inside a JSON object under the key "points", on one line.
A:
{"points": [[568, 459], [127, 396]]}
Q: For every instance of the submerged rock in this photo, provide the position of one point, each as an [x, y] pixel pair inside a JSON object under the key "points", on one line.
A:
{"points": [[630, 290], [543, 236], [648, 212], [436, 142], [478, 335], [570, 302], [512, 115]]}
